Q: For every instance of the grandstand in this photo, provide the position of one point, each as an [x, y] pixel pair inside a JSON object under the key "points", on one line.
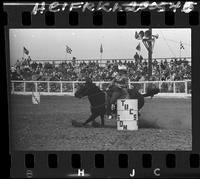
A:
{"points": [[162, 69], [171, 75]]}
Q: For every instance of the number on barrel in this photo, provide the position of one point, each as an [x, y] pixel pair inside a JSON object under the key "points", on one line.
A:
{"points": [[118, 117], [124, 127], [121, 123], [125, 105], [134, 117]]}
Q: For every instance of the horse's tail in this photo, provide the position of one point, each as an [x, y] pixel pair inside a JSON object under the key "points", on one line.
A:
{"points": [[151, 92]]}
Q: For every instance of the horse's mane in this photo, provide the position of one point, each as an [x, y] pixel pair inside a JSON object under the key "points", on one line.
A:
{"points": [[95, 87]]}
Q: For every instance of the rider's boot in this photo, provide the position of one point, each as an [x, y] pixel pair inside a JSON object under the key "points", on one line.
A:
{"points": [[125, 93], [139, 114], [109, 117], [112, 107]]}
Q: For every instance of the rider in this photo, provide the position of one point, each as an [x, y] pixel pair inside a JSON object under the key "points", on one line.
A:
{"points": [[88, 80], [120, 83]]}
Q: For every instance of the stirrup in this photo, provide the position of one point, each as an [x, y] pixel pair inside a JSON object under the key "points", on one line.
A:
{"points": [[112, 107]]}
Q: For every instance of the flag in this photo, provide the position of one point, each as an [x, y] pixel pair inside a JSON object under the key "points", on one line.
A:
{"points": [[25, 51], [68, 49], [181, 46], [136, 35], [138, 47], [101, 49]]}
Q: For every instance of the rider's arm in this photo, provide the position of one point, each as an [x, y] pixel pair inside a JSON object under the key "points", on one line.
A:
{"points": [[112, 83]]}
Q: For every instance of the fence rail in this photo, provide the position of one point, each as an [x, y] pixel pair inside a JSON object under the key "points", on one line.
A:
{"points": [[104, 60], [167, 88]]}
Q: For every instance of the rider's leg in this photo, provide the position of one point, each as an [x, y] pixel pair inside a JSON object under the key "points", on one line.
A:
{"points": [[108, 106], [115, 96], [125, 93], [102, 119], [139, 114]]}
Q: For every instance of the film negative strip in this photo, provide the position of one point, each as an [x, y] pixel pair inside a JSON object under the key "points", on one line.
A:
{"points": [[103, 89]]}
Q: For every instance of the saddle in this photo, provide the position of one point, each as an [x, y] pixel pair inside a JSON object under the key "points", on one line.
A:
{"points": [[124, 95]]}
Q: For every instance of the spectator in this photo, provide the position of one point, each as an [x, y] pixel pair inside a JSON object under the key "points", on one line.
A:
{"points": [[136, 57], [70, 71]]}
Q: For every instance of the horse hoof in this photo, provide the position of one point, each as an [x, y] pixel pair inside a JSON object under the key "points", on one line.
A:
{"points": [[76, 124], [95, 124]]}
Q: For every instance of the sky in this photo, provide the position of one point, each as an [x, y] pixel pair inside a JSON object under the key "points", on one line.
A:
{"points": [[50, 44]]}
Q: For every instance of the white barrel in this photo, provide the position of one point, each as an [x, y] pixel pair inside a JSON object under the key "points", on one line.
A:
{"points": [[127, 115], [127, 104], [36, 98], [127, 125]]}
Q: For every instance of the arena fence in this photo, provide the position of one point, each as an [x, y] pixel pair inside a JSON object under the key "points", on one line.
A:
{"points": [[104, 61], [167, 88]]}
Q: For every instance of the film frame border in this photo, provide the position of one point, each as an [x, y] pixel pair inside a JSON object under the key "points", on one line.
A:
{"points": [[180, 21]]}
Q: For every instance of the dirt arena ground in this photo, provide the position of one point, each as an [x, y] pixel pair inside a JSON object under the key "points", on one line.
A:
{"points": [[165, 124]]}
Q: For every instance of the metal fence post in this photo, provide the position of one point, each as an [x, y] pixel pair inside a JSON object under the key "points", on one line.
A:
{"points": [[100, 84], [24, 87], [129, 84], [174, 87], [13, 87], [36, 87], [61, 86], [48, 87], [159, 85], [144, 88], [73, 87], [186, 87]]}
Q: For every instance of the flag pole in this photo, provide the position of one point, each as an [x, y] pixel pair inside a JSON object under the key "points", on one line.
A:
{"points": [[66, 53], [101, 58], [23, 52], [101, 51], [150, 51], [180, 50], [139, 51]]}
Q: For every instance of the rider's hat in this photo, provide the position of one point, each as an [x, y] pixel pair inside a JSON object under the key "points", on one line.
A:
{"points": [[122, 68]]}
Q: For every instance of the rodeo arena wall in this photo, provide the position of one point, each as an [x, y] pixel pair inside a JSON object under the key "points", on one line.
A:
{"points": [[59, 88], [168, 87]]}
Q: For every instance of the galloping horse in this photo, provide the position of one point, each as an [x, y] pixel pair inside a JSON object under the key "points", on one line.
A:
{"points": [[97, 99]]}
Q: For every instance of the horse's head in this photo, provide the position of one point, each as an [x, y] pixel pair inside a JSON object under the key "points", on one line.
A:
{"points": [[81, 91], [84, 89]]}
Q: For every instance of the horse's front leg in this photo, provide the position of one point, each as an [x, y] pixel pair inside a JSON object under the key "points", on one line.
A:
{"points": [[102, 119], [91, 118]]}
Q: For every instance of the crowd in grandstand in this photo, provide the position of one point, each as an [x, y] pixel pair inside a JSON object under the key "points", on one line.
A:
{"points": [[28, 69]]}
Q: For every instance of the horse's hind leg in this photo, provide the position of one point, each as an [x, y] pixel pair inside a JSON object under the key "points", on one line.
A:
{"points": [[102, 119]]}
